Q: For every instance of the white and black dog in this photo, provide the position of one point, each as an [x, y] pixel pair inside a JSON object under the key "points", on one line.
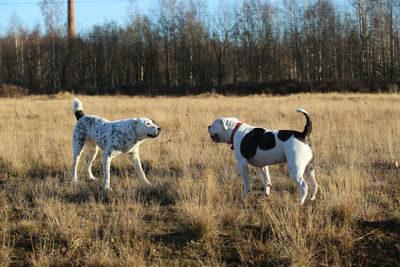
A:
{"points": [[261, 147], [116, 137]]}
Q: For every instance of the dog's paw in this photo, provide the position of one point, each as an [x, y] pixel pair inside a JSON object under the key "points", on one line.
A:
{"points": [[266, 191], [107, 189], [245, 193], [146, 181], [300, 203]]}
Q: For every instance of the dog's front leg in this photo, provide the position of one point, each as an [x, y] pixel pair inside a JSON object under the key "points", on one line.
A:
{"points": [[107, 157], [267, 180], [138, 166], [78, 149], [244, 173]]}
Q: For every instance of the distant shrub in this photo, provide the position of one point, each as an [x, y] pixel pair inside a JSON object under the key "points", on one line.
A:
{"points": [[10, 90]]}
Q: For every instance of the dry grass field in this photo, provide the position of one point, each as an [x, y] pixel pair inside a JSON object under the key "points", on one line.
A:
{"points": [[193, 213]]}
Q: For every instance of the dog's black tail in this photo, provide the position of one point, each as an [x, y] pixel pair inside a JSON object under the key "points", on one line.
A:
{"points": [[78, 109], [308, 127]]}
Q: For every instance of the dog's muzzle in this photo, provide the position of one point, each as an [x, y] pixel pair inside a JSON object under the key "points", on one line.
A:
{"points": [[214, 137], [158, 131]]}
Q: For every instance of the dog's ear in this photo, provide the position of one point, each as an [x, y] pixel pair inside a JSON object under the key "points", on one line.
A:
{"points": [[228, 122], [223, 123]]}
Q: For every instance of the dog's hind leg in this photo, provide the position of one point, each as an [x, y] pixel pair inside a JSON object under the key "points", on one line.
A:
{"points": [[298, 155], [310, 174], [267, 180], [92, 150], [77, 147], [297, 172], [297, 175]]}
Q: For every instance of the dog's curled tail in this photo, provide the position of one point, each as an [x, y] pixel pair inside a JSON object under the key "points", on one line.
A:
{"points": [[78, 109], [308, 127]]}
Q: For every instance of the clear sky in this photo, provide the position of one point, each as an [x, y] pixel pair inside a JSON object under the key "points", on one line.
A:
{"points": [[88, 12]]}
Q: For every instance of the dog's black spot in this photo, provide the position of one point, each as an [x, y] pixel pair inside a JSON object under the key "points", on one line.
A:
{"points": [[91, 121], [256, 138], [284, 135], [79, 114]]}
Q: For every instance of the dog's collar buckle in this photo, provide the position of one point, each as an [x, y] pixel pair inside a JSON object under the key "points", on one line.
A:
{"points": [[233, 133]]}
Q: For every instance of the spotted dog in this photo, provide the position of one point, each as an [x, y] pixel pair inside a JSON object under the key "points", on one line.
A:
{"points": [[114, 138], [262, 147]]}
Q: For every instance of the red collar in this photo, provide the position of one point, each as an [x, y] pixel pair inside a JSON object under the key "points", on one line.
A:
{"points": [[234, 131]]}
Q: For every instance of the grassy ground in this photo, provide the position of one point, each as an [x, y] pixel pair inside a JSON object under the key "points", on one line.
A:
{"points": [[193, 213]]}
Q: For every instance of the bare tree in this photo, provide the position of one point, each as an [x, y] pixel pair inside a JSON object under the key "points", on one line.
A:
{"points": [[293, 30], [53, 12], [362, 11], [167, 22], [18, 35], [249, 47]]}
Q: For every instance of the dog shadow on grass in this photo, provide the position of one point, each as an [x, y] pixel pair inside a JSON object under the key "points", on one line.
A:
{"points": [[127, 187], [92, 191], [161, 192]]}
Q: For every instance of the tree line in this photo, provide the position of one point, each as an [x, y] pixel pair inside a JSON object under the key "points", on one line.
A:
{"points": [[257, 47]]}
